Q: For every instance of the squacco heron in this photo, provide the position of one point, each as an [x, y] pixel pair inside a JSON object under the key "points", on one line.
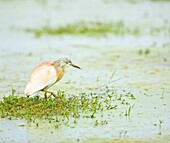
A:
{"points": [[46, 75]]}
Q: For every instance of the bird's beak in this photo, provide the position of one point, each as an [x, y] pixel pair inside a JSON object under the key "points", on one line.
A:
{"points": [[75, 66]]}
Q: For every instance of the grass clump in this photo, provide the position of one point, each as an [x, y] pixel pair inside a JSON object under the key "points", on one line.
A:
{"points": [[65, 107], [13, 107]]}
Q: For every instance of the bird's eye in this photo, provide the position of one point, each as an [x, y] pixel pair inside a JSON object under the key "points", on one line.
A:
{"points": [[68, 62]]}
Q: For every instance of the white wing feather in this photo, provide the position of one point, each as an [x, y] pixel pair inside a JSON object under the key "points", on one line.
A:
{"points": [[44, 77]]}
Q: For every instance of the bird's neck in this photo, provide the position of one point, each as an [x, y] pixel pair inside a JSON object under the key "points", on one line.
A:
{"points": [[60, 74], [60, 70]]}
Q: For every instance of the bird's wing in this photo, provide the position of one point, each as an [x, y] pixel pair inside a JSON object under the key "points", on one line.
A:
{"points": [[42, 76]]}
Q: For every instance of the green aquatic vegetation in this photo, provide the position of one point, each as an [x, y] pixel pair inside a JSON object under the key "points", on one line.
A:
{"points": [[86, 28], [132, 96], [159, 125], [63, 108], [103, 122], [51, 109], [147, 51], [13, 91], [144, 52], [123, 133], [128, 111], [96, 29]]}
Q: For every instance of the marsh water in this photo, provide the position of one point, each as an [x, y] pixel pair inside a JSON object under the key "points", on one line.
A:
{"points": [[141, 64]]}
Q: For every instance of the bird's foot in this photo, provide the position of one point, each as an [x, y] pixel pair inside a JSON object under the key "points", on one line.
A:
{"points": [[55, 96], [51, 93]]}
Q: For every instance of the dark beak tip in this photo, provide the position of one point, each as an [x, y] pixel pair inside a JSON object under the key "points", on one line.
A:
{"points": [[75, 66], [78, 67]]}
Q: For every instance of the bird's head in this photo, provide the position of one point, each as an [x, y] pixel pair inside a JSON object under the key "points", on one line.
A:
{"points": [[66, 62]]}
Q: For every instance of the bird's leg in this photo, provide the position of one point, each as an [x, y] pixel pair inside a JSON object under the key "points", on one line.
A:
{"points": [[51, 93], [49, 96], [55, 96], [45, 95]]}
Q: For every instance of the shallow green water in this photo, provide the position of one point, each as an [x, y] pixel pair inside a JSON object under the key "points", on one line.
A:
{"points": [[143, 73]]}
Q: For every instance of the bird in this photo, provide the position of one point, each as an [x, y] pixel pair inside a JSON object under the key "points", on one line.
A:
{"points": [[45, 75]]}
